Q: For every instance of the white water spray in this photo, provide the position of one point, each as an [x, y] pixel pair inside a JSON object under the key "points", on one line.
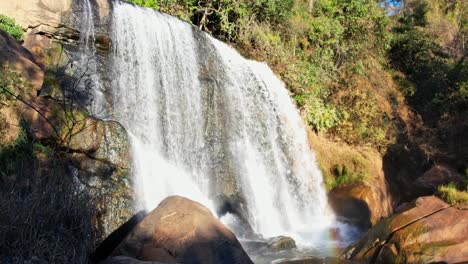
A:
{"points": [[199, 112], [88, 74]]}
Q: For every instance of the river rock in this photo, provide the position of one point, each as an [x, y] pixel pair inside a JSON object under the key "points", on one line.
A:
{"points": [[281, 243], [183, 231], [428, 231]]}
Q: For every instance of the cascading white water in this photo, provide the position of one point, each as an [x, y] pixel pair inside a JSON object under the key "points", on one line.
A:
{"points": [[157, 98], [197, 111], [88, 76]]}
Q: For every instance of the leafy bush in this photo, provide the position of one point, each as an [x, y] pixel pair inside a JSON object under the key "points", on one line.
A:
{"points": [[9, 26], [319, 115]]}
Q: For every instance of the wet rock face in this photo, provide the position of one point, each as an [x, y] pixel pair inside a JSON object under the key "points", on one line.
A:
{"points": [[181, 231], [428, 230]]}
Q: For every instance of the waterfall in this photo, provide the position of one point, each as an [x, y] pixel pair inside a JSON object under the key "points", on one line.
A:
{"points": [[207, 123], [87, 74]]}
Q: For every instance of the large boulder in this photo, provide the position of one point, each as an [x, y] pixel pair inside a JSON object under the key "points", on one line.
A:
{"points": [[182, 231], [359, 193], [437, 175], [426, 231], [361, 205], [74, 131]]}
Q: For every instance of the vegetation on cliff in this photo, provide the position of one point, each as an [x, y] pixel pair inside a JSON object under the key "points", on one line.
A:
{"points": [[8, 24]]}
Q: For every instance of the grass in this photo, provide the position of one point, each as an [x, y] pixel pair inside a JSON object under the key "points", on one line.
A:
{"points": [[46, 224], [45, 217], [452, 195]]}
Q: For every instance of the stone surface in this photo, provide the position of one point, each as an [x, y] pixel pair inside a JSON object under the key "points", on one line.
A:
{"points": [[281, 243], [55, 18], [368, 199], [183, 231], [360, 204], [14, 59], [437, 175], [105, 141], [427, 231], [114, 145], [128, 260], [314, 260]]}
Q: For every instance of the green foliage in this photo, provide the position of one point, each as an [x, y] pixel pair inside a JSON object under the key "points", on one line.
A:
{"points": [[16, 158], [9, 26], [435, 68], [416, 54], [343, 174], [221, 17], [10, 83], [319, 115], [452, 195]]}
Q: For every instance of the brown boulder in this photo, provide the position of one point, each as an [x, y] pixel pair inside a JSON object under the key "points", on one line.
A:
{"points": [[437, 175], [18, 59], [127, 260], [360, 204], [428, 231], [14, 59], [183, 231]]}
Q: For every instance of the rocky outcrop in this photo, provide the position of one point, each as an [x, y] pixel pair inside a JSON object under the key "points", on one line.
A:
{"points": [[57, 19], [359, 204], [437, 175], [95, 152], [359, 193], [428, 230], [314, 260], [16, 64], [181, 231]]}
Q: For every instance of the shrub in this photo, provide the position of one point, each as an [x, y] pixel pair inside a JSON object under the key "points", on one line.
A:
{"points": [[9, 26], [452, 195], [319, 115]]}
